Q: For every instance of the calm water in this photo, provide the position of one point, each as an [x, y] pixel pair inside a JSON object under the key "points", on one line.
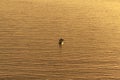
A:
{"points": [[29, 33]]}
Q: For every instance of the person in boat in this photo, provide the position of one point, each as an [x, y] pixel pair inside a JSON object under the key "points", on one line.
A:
{"points": [[61, 41]]}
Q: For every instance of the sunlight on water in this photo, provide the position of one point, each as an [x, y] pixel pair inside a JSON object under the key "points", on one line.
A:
{"points": [[29, 46]]}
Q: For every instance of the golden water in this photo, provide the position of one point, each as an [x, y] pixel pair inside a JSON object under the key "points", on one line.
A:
{"points": [[29, 33]]}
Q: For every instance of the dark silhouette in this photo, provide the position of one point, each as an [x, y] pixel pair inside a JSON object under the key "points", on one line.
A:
{"points": [[61, 42]]}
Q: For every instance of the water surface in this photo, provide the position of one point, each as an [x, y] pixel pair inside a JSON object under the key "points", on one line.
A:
{"points": [[29, 33]]}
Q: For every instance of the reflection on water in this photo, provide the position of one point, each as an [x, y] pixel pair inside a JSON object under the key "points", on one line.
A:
{"points": [[29, 33]]}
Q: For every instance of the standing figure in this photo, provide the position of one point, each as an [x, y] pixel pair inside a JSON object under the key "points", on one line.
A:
{"points": [[61, 42]]}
